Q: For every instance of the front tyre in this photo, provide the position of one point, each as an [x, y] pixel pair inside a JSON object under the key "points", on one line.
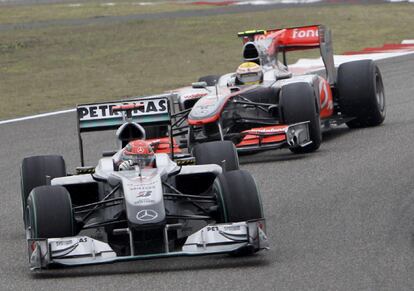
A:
{"points": [[48, 213], [238, 196], [298, 104], [238, 200]]}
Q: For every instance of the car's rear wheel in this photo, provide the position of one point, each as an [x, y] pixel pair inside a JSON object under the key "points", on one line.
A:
{"points": [[35, 169], [238, 199], [211, 80], [217, 152], [298, 104], [48, 213], [155, 131], [361, 93]]}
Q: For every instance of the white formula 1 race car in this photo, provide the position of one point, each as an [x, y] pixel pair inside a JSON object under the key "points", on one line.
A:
{"points": [[167, 208]]}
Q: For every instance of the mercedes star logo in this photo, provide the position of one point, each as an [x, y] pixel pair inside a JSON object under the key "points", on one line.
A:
{"points": [[147, 215]]}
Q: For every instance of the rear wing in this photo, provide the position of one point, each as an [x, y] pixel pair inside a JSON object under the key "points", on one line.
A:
{"points": [[155, 110], [294, 39]]}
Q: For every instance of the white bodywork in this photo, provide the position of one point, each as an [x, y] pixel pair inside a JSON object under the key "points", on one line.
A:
{"points": [[142, 188], [83, 250]]}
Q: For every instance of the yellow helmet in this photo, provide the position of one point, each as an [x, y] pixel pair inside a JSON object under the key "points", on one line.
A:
{"points": [[249, 73]]}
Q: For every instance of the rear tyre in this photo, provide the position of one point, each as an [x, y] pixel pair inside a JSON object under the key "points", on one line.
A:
{"points": [[215, 152], [35, 169], [211, 80], [156, 131], [361, 93], [48, 213], [297, 104], [238, 200]]}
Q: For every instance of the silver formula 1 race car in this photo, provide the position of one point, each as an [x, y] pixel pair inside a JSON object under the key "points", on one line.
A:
{"points": [[284, 107], [170, 207]]}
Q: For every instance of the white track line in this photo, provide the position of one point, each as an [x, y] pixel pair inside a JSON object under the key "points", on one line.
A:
{"points": [[36, 116]]}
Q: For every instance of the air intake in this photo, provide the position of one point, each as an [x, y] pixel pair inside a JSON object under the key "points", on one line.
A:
{"points": [[250, 53]]}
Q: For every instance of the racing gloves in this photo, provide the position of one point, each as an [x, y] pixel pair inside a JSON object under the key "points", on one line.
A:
{"points": [[126, 165]]}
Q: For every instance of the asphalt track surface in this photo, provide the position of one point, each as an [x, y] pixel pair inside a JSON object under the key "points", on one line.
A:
{"points": [[338, 219]]}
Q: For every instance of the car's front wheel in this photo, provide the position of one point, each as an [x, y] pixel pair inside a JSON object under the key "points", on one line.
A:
{"points": [[298, 104], [48, 213], [238, 196], [238, 200]]}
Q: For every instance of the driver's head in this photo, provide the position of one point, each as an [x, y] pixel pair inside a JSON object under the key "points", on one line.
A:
{"points": [[249, 73], [140, 153]]}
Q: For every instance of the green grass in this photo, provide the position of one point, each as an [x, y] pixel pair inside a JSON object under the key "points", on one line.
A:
{"points": [[41, 12], [55, 68]]}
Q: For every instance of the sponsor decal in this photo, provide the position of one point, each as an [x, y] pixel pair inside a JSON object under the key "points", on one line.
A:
{"points": [[195, 96], [268, 130], [269, 35], [305, 33], [144, 201], [142, 178], [148, 187], [144, 193], [232, 228], [147, 215], [324, 95], [104, 111], [62, 243], [212, 228]]}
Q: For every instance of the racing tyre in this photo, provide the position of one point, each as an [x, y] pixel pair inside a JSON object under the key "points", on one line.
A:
{"points": [[238, 200], [361, 93], [215, 152], [35, 169], [155, 131], [211, 80], [238, 196], [297, 103], [48, 213]]}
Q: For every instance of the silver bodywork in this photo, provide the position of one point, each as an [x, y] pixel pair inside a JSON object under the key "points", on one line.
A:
{"points": [[274, 77], [275, 74], [144, 205], [83, 250], [206, 103]]}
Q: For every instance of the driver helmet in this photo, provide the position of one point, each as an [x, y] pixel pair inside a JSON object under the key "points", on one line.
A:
{"points": [[139, 153], [249, 73]]}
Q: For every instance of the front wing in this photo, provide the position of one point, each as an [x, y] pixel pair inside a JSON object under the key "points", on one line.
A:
{"points": [[274, 137], [83, 250]]}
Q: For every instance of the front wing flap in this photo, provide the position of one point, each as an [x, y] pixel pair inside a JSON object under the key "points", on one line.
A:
{"points": [[276, 136], [212, 239]]}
